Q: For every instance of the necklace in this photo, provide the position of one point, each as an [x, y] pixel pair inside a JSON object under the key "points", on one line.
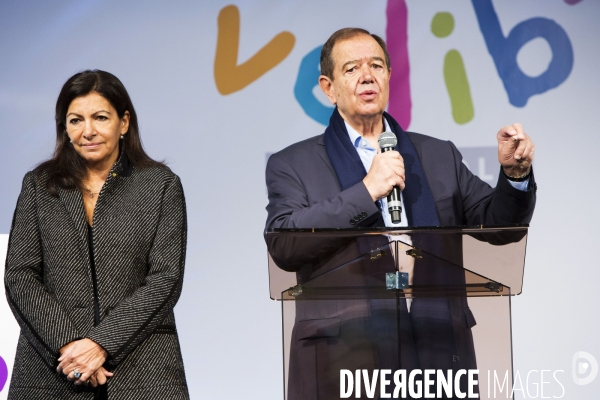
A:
{"points": [[90, 192]]}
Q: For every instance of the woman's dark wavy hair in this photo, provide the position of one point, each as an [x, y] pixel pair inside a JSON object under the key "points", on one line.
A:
{"points": [[67, 168]]}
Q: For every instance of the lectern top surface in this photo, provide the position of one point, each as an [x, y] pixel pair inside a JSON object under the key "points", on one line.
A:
{"points": [[403, 230], [416, 261]]}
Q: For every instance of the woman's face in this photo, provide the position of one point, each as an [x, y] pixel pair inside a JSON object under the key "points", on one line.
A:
{"points": [[95, 128]]}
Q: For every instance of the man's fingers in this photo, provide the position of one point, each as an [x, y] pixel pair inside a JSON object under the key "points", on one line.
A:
{"points": [[515, 149], [392, 154], [528, 152], [507, 149], [520, 133], [387, 171], [524, 148], [392, 158], [506, 132], [512, 133], [397, 180], [395, 162], [519, 149], [516, 145]]}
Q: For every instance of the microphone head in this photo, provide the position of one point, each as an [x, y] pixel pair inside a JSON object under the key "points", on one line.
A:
{"points": [[387, 139]]}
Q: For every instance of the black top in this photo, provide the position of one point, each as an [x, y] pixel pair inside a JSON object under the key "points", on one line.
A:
{"points": [[94, 279], [100, 391]]}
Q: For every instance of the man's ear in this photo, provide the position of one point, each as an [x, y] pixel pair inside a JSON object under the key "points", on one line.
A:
{"points": [[326, 85]]}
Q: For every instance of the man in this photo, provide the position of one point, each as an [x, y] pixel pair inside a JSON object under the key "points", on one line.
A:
{"points": [[340, 180]]}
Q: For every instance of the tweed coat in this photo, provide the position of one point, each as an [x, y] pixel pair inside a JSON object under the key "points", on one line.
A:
{"points": [[139, 241]]}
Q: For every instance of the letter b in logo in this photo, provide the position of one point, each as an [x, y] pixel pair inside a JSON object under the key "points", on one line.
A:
{"points": [[585, 368]]}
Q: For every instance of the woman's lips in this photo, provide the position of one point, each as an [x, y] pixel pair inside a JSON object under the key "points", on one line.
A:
{"points": [[90, 146]]}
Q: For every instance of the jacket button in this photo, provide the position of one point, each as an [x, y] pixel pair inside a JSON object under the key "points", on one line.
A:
{"points": [[364, 214], [352, 222]]}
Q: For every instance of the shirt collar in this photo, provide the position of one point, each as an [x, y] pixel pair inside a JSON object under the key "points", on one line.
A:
{"points": [[355, 137]]}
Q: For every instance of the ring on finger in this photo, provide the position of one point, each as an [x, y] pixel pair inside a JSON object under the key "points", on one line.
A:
{"points": [[76, 374]]}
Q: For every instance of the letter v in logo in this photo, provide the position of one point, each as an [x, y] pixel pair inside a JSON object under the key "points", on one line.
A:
{"points": [[231, 77]]}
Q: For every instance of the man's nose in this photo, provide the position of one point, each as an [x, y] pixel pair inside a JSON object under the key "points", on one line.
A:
{"points": [[366, 75]]}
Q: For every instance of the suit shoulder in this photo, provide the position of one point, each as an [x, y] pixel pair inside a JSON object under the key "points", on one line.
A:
{"points": [[302, 146], [301, 151], [419, 139], [425, 143]]}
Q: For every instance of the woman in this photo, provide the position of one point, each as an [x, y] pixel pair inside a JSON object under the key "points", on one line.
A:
{"points": [[95, 258]]}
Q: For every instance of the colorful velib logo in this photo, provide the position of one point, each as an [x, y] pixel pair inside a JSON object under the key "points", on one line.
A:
{"points": [[3, 373], [585, 368], [503, 50], [231, 75]]}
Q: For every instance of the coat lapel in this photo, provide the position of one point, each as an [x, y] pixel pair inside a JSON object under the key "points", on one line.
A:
{"points": [[73, 203], [323, 153]]}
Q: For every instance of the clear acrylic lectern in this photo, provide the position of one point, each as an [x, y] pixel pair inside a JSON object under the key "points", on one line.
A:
{"points": [[372, 313]]}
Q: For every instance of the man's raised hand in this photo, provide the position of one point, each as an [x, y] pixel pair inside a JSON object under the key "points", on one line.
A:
{"points": [[387, 171], [515, 150]]}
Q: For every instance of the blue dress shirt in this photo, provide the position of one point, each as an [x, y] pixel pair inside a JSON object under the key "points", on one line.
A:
{"points": [[367, 153]]}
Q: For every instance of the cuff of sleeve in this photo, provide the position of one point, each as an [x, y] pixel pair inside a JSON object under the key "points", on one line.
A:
{"points": [[517, 189], [520, 185], [364, 208]]}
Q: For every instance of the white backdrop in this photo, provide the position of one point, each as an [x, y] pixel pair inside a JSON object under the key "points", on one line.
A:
{"points": [[164, 52]]}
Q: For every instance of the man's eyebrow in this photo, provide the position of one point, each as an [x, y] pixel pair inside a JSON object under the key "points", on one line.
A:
{"points": [[376, 58], [349, 62]]}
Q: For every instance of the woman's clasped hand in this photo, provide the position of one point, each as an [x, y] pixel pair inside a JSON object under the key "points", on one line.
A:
{"points": [[82, 362]]}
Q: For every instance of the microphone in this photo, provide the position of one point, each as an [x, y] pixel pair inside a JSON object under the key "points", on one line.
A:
{"points": [[387, 141]]}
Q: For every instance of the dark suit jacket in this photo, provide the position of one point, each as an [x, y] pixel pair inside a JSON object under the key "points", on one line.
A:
{"points": [[139, 238], [304, 192]]}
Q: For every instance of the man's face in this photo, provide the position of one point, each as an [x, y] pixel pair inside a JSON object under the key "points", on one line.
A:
{"points": [[360, 87]]}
